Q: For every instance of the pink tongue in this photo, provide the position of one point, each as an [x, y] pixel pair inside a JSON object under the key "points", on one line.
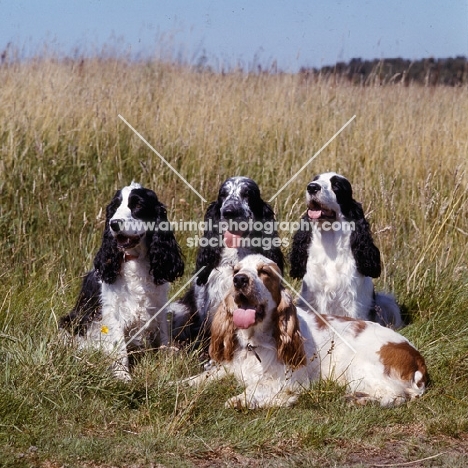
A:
{"points": [[243, 318], [231, 240], [312, 214]]}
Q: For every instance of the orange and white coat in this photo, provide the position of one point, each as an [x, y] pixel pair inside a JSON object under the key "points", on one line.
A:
{"points": [[277, 350]]}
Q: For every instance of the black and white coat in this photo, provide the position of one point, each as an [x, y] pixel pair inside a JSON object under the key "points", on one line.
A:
{"points": [[129, 284], [336, 257], [221, 248]]}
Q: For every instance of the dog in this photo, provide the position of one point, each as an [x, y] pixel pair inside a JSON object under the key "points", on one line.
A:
{"points": [[277, 350], [334, 255], [119, 307], [237, 224]]}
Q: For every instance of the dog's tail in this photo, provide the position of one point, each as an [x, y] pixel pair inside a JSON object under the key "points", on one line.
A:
{"points": [[406, 368], [419, 381], [418, 385]]}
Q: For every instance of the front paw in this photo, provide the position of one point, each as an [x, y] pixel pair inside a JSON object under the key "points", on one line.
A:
{"points": [[258, 400], [122, 375], [242, 401], [196, 380], [168, 350]]}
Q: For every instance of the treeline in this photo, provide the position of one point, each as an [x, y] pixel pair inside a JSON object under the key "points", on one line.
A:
{"points": [[426, 72]]}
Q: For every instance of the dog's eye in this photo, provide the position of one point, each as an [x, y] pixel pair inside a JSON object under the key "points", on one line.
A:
{"points": [[264, 271], [135, 203]]}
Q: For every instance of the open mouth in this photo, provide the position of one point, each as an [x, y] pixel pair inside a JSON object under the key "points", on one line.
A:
{"points": [[247, 314], [316, 211], [127, 242], [235, 229], [232, 239]]}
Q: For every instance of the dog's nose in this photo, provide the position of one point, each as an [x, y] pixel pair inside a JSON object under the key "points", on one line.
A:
{"points": [[116, 225], [240, 280], [313, 187], [231, 211]]}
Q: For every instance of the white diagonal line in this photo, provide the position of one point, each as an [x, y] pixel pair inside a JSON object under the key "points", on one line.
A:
{"points": [[138, 333], [162, 159], [312, 158], [320, 316]]}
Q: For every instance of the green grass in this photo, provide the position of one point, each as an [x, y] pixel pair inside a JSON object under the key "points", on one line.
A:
{"points": [[63, 152]]}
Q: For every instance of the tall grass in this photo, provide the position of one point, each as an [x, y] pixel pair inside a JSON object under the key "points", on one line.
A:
{"points": [[63, 152]]}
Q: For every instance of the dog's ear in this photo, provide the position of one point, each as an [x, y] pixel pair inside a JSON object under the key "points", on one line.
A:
{"points": [[267, 212], [299, 250], [209, 256], [276, 255], [87, 307], [223, 340], [108, 259], [352, 209], [289, 341], [166, 261], [365, 252], [273, 247]]}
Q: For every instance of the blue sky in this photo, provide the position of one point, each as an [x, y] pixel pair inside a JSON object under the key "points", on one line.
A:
{"points": [[295, 33]]}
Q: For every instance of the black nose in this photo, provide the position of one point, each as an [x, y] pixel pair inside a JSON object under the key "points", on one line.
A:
{"points": [[116, 225], [313, 187], [240, 280], [232, 211]]}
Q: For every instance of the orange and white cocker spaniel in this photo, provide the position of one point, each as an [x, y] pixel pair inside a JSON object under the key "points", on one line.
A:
{"points": [[277, 350]]}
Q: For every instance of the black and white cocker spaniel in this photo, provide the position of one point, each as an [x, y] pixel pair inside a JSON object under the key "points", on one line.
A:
{"points": [[334, 255], [119, 306], [276, 350], [237, 224]]}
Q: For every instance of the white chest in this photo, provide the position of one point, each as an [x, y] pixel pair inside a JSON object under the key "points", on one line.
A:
{"points": [[330, 259], [332, 284], [133, 296]]}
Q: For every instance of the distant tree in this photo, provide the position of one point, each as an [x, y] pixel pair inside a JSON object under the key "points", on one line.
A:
{"points": [[425, 72]]}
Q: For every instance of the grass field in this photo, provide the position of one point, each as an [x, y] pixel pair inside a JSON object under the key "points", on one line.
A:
{"points": [[63, 153]]}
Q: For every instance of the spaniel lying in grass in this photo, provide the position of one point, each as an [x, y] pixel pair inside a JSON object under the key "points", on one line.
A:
{"points": [[276, 350]]}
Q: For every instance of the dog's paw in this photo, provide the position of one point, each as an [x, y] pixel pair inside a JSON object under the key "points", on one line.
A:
{"points": [[243, 401], [358, 398], [167, 349], [122, 375]]}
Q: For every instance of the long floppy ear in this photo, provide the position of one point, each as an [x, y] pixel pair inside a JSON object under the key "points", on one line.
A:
{"points": [[270, 240], [289, 341], [87, 307], [108, 259], [365, 252], [300, 250], [223, 340], [274, 253], [166, 262], [209, 256]]}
